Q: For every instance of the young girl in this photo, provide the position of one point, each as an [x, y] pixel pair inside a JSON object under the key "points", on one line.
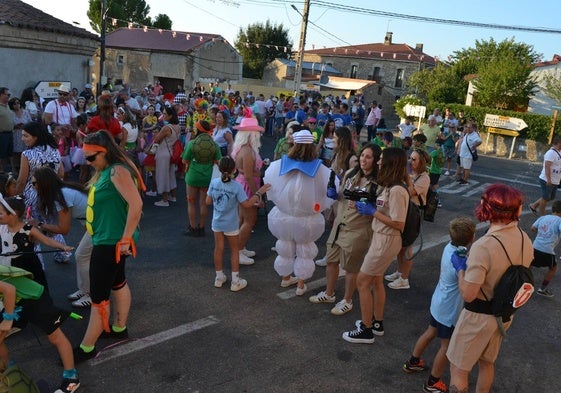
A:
{"points": [[63, 147], [37, 309], [19, 238], [225, 195]]}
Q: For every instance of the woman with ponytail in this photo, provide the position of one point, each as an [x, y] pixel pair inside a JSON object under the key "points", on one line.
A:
{"points": [[112, 218], [225, 195]]}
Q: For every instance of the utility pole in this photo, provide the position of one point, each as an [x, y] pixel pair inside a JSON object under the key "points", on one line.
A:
{"points": [[302, 44], [102, 79]]}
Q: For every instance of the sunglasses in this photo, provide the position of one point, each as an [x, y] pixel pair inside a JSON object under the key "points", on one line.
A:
{"points": [[92, 157]]}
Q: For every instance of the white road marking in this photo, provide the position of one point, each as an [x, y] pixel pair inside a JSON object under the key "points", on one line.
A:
{"points": [[137, 345]]}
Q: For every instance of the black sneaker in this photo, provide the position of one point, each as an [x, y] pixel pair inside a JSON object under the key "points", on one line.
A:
{"points": [[361, 335], [378, 328], [80, 356], [116, 335], [68, 385]]}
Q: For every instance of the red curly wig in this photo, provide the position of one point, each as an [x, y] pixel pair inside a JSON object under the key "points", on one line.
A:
{"points": [[499, 203]]}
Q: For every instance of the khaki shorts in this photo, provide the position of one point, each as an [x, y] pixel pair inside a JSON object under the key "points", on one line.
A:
{"points": [[476, 337], [383, 250], [349, 249]]}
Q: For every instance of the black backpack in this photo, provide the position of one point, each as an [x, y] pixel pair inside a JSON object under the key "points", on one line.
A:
{"points": [[412, 226], [513, 289]]}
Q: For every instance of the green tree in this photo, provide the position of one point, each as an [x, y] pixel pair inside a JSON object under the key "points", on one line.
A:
{"points": [[135, 11], [501, 70], [552, 84], [162, 21], [259, 45]]}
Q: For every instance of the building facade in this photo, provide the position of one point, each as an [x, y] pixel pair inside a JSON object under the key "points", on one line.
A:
{"points": [[141, 56], [38, 47]]}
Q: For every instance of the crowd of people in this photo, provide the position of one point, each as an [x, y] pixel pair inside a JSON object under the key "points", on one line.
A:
{"points": [[120, 148]]}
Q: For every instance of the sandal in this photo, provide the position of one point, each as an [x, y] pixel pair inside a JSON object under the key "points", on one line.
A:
{"points": [[84, 301]]}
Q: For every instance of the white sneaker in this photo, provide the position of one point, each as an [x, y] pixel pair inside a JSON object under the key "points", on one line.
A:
{"points": [[84, 301], [322, 297], [244, 260], [238, 285], [172, 199], [400, 283], [342, 308], [161, 203], [290, 282], [321, 262], [218, 281], [301, 291], [76, 295], [151, 193], [447, 173], [248, 253], [392, 277]]}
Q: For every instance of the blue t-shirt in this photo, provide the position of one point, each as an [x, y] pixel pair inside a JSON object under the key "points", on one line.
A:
{"points": [[549, 232], [76, 201], [322, 118], [301, 115], [447, 301], [338, 119], [225, 198]]}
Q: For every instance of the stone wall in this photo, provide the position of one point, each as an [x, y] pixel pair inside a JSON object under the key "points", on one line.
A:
{"points": [[525, 149], [30, 56]]}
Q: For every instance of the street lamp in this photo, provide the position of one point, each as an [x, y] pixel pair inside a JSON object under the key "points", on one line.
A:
{"points": [[302, 44]]}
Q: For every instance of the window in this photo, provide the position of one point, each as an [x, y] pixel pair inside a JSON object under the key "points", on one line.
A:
{"points": [[354, 69], [376, 74], [399, 78], [120, 59]]}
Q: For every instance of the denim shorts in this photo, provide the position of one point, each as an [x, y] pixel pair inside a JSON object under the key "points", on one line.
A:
{"points": [[548, 192]]}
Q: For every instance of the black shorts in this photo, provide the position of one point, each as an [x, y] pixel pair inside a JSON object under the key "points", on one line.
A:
{"points": [[105, 273], [442, 331], [42, 313], [434, 178], [542, 259]]}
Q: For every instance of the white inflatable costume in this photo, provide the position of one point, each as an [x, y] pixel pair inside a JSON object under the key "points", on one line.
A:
{"points": [[298, 190]]}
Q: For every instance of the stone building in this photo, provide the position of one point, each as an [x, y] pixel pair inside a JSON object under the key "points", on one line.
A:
{"points": [[389, 65], [141, 56], [39, 47], [280, 73]]}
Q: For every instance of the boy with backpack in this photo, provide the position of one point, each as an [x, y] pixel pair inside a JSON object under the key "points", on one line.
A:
{"points": [[548, 229], [445, 307]]}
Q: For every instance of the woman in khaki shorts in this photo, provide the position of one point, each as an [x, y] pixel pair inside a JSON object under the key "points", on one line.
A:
{"points": [[351, 232], [388, 221]]}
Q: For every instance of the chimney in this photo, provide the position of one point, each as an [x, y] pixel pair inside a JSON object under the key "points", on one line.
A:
{"points": [[388, 38], [419, 47]]}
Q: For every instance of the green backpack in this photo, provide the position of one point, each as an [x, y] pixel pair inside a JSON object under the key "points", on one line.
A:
{"points": [[13, 380]]}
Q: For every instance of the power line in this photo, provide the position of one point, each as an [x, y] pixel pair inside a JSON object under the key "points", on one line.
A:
{"points": [[386, 14]]}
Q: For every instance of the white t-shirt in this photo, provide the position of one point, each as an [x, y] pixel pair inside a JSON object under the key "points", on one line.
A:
{"points": [[555, 157], [472, 139], [406, 130], [132, 133], [62, 113]]}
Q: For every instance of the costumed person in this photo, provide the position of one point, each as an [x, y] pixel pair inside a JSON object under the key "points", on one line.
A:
{"points": [[201, 114], [298, 189], [248, 163]]}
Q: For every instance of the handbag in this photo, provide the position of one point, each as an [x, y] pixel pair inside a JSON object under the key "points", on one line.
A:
{"points": [[473, 152], [431, 206]]}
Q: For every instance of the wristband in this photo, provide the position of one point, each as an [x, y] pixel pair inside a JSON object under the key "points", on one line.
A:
{"points": [[258, 195], [13, 316]]}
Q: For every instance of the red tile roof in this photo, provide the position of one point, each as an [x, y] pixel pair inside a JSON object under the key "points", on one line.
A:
{"points": [[376, 51], [16, 13], [154, 39], [556, 60]]}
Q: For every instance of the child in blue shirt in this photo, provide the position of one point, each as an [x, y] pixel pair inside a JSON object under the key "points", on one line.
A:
{"points": [[225, 195], [445, 308], [548, 230]]}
